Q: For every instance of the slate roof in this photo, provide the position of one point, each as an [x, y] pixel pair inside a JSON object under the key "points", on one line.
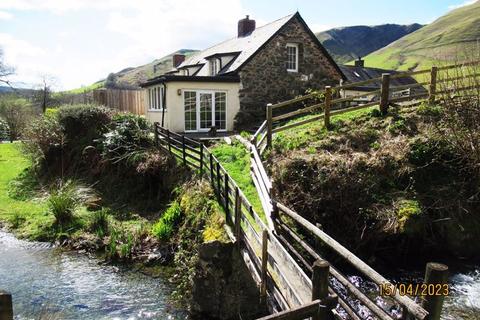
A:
{"points": [[356, 74], [245, 47]]}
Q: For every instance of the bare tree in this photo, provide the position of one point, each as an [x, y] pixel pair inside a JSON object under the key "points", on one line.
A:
{"points": [[5, 70], [43, 95]]}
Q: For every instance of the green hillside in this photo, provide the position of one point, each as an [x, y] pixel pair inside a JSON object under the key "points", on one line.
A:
{"points": [[453, 37], [348, 43]]}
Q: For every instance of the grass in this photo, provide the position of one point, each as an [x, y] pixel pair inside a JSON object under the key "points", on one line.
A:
{"points": [[31, 215], [84, 89], [235, 158], [302, 136]]}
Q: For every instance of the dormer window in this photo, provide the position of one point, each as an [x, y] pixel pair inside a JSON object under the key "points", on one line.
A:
{"points": [[213, 67], [292, 57]]}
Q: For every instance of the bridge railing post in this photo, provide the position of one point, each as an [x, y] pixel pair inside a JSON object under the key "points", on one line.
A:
{"points": [[263, 288], [321, 269], [6, 308], [435, 274]]}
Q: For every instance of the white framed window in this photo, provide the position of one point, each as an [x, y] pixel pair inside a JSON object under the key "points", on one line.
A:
{"points": [[292, 57], [213, 67], [155, 98]]}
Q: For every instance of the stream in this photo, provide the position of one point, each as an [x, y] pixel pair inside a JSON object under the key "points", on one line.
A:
{"points": [[462, 303], [50, 283]]}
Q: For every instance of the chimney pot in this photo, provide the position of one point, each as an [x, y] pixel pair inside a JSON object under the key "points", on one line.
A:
{"points": [[359, 62], [245, 27], [178, 59]]}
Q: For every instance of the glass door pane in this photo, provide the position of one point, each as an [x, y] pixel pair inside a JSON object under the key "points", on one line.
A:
{"points": [[190, 110], [206, 107], [220, 110]]}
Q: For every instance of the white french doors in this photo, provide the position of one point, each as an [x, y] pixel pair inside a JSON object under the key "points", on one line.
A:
{"points": [[204, 109]]}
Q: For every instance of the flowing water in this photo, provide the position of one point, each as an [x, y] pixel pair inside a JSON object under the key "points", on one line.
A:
{"points": [[67, 285], [49, 283], [463, 301]]}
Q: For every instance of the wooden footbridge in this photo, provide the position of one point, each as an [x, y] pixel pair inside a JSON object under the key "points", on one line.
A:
{"points": [[281, 250]]}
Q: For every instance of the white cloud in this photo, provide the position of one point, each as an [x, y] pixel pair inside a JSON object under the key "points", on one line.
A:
{"points": [[137, 32], [465, 3], [24, 57], [5, 15], [320, 27]]}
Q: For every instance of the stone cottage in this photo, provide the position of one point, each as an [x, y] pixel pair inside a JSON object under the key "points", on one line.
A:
{"points": [[228, 85]]}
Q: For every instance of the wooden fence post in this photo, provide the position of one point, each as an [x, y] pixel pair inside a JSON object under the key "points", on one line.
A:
{"points": [[227, 212], [321, 269], [155, 132], [201, 159], [263, 287], [328, 102], [269, 125], [385, 93], [219, 192], [168, 141], [238, 215], [433, 85], [435, 273], [184, 153], [211, 170], [6, 308]]}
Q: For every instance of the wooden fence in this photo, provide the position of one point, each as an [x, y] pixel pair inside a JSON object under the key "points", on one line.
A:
{"points": [[132, 101], [327, 103], [294, 279]]}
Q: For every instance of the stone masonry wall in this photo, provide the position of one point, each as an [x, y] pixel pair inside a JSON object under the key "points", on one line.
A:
{"points": [[265, 79]]}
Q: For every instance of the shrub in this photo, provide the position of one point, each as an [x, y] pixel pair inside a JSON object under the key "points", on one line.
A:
{"points": [[15, 113], [164, 228], [84, 123], [100, 222], [44, 140], [128, 138]]}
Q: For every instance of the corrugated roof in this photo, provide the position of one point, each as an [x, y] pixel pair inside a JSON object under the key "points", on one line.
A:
{"points": [[245, 47]]}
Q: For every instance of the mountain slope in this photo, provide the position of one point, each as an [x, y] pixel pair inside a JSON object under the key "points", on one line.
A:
{"points": [[453, 37], [348, 43], [137, 75], [132, 77]]}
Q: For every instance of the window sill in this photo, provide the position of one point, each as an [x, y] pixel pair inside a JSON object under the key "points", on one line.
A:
{"points": [[156, 110], [292, 71]]}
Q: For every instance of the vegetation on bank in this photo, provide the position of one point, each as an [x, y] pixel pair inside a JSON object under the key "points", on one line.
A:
{"points": [[91, 172], [408, 180], [235, 158]]}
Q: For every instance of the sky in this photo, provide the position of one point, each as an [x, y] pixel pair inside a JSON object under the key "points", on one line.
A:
{"points": [[77, 42]]}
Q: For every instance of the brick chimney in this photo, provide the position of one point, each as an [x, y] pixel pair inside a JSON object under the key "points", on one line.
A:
{"points": [[178, 59], [245, 27], [360, 62]]}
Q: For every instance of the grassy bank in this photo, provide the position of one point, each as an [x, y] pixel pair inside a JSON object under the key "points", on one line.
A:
{"points": [[235, 158], [29, 216]]}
